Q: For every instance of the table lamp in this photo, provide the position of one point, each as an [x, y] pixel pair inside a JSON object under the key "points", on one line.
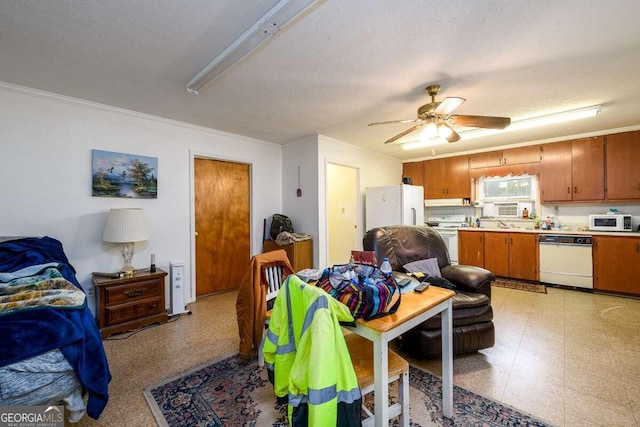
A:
{"points": [[126, 226]]}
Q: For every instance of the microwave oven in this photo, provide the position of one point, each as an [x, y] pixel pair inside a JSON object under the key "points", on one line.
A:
{"points": [[610, 222]]}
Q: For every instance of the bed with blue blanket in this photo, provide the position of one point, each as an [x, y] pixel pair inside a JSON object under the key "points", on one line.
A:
{"points": [[50, 346]]}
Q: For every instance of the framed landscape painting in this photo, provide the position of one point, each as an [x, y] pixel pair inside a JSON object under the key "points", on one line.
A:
{"points": [[124, 175]]}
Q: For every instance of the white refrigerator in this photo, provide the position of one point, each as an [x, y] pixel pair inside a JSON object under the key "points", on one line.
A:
{"points": [[394, 205]]}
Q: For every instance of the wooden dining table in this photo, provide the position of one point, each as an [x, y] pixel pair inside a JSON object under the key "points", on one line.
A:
{"points": [[414, 309]]}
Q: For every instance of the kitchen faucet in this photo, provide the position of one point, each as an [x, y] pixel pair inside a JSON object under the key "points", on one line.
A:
{"points": [[502, 224]]}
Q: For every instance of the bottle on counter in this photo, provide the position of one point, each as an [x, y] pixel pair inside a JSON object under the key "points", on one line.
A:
{"points": [[525, 213]]}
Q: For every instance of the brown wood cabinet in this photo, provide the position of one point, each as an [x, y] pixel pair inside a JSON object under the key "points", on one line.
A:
{"points": [[415, 171], [496, 253], [512, 156], [521, 155], [514, 161], [512, 255], [523, 256], [623, 166], [300, 254], [128, 303], [485, 160], [471, 248], [616, 264], [447, 178], [573, 170]]}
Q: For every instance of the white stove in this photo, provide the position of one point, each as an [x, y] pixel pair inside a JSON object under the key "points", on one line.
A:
{"points": [[448, 221], [448, 229]]}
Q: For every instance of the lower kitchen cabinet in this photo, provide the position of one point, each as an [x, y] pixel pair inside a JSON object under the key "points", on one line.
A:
{"points": [[471, 248], [616, 264], [513, 255]]}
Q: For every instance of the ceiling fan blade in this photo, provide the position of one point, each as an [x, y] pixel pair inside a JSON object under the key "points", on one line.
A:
{"points": [[394, 121], [401, 134], [487, 122], [448, 105], [448, 133]]}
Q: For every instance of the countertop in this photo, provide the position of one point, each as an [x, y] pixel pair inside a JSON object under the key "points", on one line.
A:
{"points": [[555, 231]]}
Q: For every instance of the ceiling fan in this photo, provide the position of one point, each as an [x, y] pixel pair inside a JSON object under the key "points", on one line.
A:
{"points": [[437, 119]]}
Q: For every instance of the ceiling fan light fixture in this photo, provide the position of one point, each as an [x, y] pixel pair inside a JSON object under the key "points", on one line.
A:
{"points": [[429, 131], [546, 120]]}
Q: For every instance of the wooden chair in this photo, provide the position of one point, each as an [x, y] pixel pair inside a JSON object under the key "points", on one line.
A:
{"points": [[361, 350], [274, 274]]}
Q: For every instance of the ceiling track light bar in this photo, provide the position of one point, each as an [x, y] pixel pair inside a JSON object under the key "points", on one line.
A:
{"points": [[533, 122], [268, 25]]}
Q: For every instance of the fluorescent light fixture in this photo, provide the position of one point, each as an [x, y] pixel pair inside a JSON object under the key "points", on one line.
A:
{"points": [[550, 119], [268, 25]]}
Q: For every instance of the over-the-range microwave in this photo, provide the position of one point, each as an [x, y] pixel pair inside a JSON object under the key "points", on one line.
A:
{"points": [[610, 222]]}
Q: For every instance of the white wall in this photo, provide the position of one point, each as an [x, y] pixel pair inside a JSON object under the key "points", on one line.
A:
{"points": [[45, 177], [309, 215]]}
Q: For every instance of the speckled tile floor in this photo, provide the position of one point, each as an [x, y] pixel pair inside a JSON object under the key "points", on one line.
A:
{"points": [[568, 357]]}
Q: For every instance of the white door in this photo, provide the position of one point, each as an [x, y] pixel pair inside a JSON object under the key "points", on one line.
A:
{"points": [[342, 212]]}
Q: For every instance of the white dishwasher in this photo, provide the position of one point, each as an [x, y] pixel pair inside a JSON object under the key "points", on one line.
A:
{"points": [[566, 260]]}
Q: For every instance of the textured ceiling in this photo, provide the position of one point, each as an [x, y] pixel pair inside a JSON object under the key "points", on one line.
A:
{"points": [[342, 65]]}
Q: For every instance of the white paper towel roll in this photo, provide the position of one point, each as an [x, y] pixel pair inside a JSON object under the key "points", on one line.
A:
{"points": [[478, 204]]}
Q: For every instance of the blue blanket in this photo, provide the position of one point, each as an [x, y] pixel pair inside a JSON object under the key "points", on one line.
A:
{"points": [[29, 333]]}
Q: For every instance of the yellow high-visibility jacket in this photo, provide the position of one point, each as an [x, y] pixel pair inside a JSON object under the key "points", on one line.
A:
{"points": [[307, 358]]}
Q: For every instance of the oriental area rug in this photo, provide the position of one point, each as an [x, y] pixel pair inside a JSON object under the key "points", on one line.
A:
{"points": [[520, 285], [236, 392]]}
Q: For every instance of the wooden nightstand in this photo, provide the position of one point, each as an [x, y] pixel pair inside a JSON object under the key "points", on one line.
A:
{"points": [[128, 303]]}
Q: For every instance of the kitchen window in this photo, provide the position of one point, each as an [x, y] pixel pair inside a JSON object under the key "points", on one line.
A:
{"points": [[509, 188], [508, 196]]}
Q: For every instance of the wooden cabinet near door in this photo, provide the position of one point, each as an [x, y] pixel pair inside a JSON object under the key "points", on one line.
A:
{"points": [[300, 254], [616, 264]]}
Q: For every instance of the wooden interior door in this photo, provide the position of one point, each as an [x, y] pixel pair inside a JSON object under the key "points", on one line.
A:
{"points": [[222, 219]]}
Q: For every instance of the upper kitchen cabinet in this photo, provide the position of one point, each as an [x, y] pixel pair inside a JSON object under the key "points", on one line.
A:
{"points": [[415, 171], [447, 178], [573, 170], [515, 161], [512, 156], [623, 173]]}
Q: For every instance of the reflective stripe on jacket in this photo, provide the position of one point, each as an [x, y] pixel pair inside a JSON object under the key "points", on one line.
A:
{"points": [[308, 360]]}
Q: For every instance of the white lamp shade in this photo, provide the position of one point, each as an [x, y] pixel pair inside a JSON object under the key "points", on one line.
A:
{"points": [[125, 225]]}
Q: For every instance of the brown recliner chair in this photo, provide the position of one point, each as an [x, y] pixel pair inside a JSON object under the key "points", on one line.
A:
{"points": [[472, 313]]}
